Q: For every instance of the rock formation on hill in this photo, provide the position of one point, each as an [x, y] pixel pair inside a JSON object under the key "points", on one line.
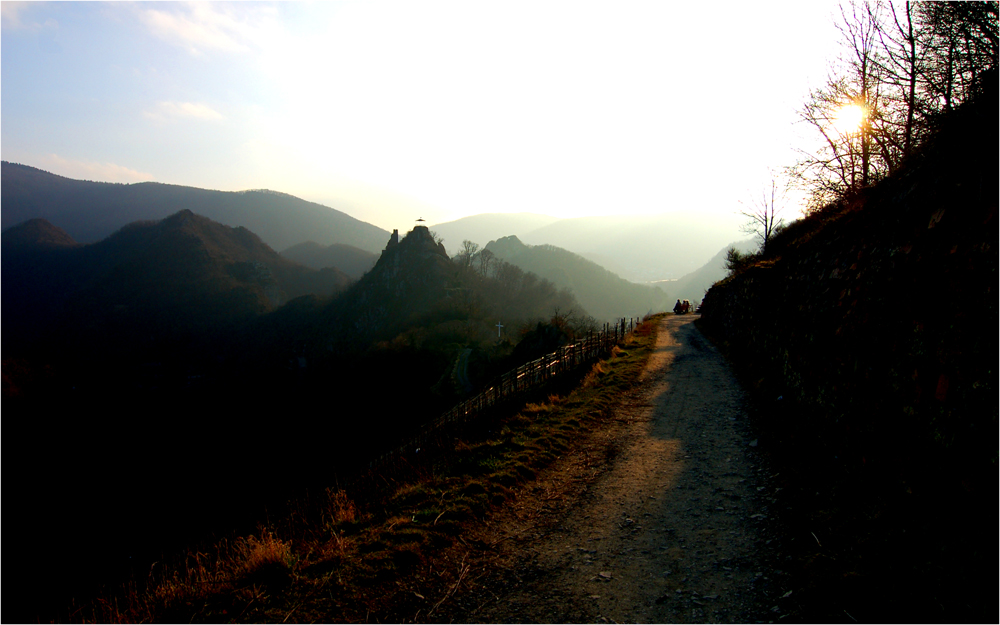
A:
{"points": [[412, 269], [407, 282]]}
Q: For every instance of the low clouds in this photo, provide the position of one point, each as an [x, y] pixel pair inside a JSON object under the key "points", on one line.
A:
{"points": [[88, 170], [182, 110]]}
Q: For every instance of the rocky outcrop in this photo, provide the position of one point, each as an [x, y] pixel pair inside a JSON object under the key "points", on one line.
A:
{"points": [[407, 281]]}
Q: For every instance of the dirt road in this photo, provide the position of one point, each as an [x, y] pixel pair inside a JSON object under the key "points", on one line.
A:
{"points": [[662, 517]]}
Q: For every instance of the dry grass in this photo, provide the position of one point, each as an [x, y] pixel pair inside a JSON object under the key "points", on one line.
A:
{"points": [[339, 508], [264, 557]]}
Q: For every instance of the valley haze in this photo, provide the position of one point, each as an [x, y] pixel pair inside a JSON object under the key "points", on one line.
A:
{"points": [[389, 111]]}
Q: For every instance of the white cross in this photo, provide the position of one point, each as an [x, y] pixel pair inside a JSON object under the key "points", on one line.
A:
{"points": [[499, 325]]}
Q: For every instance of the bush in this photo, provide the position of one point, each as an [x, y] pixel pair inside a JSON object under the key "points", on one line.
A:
{"points": [[736, 260]]}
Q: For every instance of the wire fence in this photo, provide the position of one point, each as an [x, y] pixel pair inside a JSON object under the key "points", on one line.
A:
{"points": [[517, 382]]}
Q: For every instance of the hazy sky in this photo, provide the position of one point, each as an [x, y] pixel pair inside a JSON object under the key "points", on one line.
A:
{"points": [[393, 110]]}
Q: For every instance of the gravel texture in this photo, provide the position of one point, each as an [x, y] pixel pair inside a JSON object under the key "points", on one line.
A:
{"points": [[660, 515]]}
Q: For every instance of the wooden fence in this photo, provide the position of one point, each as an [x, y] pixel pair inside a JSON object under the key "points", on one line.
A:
{"points": [[518, 381]]}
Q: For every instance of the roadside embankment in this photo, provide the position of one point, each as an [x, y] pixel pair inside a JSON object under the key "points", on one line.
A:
{"points": [[868, 331]]}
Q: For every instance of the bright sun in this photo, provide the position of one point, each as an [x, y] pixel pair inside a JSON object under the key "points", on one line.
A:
{"points": [[849, 118]]}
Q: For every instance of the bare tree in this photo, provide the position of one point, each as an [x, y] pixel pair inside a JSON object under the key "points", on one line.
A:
{"points": [[901, 65], [850, 157], [467, 253], [935, 54], [903, 61], [762, 213], [485, 260], [961, 40], [508, 275]]}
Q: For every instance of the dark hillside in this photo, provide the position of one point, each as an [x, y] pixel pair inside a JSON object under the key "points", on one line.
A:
{"points": [[412, 319], [38, 275], [91, 211], [415, 284], [176, 401], [873, 322], [151, 282]]}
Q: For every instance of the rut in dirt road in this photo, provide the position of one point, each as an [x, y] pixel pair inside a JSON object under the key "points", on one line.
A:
{"points": [[673, 527]]}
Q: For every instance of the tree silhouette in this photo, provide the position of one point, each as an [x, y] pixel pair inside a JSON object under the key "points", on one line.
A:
{"points": [[468, 252], [762, 213], [848, 159], [902, 65]]}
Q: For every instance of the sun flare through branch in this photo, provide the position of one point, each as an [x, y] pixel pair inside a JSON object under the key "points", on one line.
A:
{"points": [[849, 118]]}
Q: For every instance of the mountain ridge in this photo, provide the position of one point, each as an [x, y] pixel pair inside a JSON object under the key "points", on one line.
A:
{"points": [[180, 273], [639, 248], [602, 293], [90, 211]]}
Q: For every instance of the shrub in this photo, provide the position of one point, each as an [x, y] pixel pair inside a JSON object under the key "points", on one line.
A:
{"points": [[264, 560], [736, 260]]}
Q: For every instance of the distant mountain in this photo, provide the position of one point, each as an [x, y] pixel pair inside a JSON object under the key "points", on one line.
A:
{"points": [[481, 229], [694, 285], [637, 248], [603, 294], [641, 248], [150, 281], [347, 258], [91, 211]]}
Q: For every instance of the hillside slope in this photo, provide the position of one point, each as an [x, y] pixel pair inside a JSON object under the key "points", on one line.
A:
{"points": [[874, 322], [602, 294], [90, 211], [162, 279], [638, 248], [415, 284]]}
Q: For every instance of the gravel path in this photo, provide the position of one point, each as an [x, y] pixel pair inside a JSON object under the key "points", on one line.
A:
{"points": [[661, 517]]}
